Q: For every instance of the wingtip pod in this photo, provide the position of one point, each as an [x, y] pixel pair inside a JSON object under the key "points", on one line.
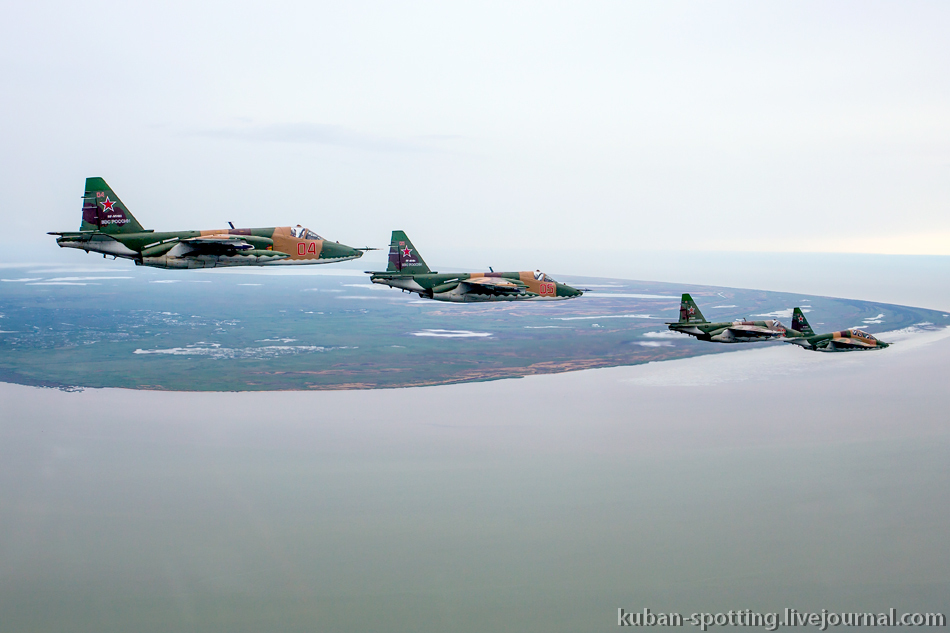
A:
{"points": [[103, 211], [403, 256]]}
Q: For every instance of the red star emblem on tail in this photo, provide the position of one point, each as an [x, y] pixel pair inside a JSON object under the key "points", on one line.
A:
{"points": [[406, 251], [107, 205]]}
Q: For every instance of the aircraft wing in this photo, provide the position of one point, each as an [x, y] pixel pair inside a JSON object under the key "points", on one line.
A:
{"points": [[849, 343], [217, 244], [803, 342], [493, 286], [752, 330]]}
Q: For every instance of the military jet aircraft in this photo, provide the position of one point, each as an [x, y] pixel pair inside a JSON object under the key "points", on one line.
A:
{"points": [[844, 341], [408, 271], [692, 322], [107, 227]]}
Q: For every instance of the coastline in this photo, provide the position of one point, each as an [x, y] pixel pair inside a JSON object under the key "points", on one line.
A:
{"points": [[767, 359]]}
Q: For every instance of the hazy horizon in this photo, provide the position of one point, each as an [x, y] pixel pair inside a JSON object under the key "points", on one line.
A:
{"points": [[913, 280], [738, 126]]}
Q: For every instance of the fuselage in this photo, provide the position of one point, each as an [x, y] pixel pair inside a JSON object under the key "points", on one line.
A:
{"points": [[452, 286], [732, 332], [843, 341], [171, 249]]}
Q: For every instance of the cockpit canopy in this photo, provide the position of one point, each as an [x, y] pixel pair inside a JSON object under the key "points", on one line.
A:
{"points": [[862, 334], [540, 276], [304, 234]]}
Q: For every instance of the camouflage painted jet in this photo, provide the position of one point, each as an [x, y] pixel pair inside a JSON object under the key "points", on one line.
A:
{"points": [[409, 272], [692, 322], [107, 227], [844, 341]]}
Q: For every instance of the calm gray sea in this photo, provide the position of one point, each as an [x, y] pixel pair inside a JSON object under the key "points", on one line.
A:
{"points": [[756, 480]]}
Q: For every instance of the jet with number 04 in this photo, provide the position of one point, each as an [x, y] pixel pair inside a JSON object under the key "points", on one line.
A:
{"points": [[109, 228], [693, 323], [845, 341], [408, 272]]}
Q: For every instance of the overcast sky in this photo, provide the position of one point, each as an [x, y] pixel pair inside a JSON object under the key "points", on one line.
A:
{"points": [[630, 125]]}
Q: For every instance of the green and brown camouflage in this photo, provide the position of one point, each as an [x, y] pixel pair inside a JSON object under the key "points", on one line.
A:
{"points": [[849, 340], [692, 322], [108, 227], [409, 272]]}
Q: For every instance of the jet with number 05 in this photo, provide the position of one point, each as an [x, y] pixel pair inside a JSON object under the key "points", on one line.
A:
{"points": [[845, 341], [408, 272], [693, 323], [109, 228]]}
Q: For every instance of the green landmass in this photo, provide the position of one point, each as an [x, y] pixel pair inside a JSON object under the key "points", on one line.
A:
{"points": [[239, 332]]}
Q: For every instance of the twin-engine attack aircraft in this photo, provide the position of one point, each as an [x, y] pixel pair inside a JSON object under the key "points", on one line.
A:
{"points": [[844, 341], [692, 322], [107, 227], [408, 271]]}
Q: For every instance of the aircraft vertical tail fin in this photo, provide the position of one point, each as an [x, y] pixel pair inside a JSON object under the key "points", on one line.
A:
{"points": [[689, 311], [800, 323], [103, 211], [403, 256]]}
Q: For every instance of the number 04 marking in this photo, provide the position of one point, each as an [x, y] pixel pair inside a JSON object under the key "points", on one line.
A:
{"points": [[304, 248]]}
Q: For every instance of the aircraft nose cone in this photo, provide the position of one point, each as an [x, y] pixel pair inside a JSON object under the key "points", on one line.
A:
{"points": [[335, 250]]}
